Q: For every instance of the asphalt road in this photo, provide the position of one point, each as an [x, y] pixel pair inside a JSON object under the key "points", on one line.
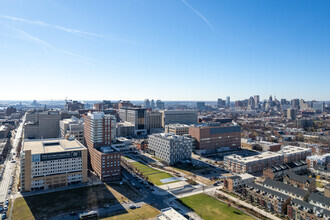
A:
{"points": [[10, 167]]}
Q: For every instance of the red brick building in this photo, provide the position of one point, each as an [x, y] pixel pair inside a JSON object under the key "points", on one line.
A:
{"points": [[212, 139], [99, 133]]}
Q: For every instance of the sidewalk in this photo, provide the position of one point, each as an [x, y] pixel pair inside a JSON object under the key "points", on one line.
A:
{"points": [[243, 203]]}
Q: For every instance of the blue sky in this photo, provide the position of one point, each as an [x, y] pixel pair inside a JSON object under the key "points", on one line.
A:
{"points": [[164, 49]]}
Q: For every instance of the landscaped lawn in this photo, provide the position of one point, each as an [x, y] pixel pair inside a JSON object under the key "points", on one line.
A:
{"points": [[153, 175], [51, 204], [210, 208], [145, 212], [319, 184]]}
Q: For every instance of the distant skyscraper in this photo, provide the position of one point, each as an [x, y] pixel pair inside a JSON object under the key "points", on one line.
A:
{"points": [[291, 113], [160, 104], [221, 103], [153, 104], [256, 100], [283, 101], [200, 105], [295, 103], [228, 101], [146, 103], [318, 106], [251, 103]]}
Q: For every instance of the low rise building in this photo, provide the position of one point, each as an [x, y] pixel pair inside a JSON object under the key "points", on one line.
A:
{"points": [[302, 182], [277, 172], [319, 200], [170, 148], [269, 199], [281, 187], [170, 214], [298, 210], [4, 131], [252, 164], [237, 182], [294, 153], [51, 163], [260, 145], [178, 129], [125, 129]]}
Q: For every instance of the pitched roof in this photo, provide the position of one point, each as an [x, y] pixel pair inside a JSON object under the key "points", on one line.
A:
{"points": [[310, 206], [319, 198], [298, 178], [269, 191], [285, 187]]}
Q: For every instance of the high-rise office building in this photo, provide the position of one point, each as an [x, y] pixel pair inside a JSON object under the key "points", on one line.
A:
{"points": [[153, 106], [291, 113], [228, 102], [154, 121], [146, 103], [256, 100], [99, 133], [318, 106], [136, 116], [221, 103], [295, 103], [200, 106], [251, 103], [160, 105]]}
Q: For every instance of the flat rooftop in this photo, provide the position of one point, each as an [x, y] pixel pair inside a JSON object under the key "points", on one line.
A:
{"points": [[261, 156], [53, 145]]}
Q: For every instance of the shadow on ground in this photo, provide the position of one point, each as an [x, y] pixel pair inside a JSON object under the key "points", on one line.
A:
{"points": [[45, 206]]}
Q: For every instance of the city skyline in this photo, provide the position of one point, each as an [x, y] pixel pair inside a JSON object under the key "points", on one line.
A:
{"points": [[182, 50]]}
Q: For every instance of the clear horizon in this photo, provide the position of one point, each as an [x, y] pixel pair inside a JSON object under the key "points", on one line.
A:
{"points": [[173, 50]]}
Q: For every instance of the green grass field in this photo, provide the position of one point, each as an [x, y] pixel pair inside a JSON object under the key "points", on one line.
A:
{"points": [[153, 175], [145, 212], [212, 209]]}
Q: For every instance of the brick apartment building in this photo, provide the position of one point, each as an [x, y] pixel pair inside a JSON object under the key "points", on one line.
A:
{"points": [[99, 133], [277, 172], [271, 200], [302, 182]]}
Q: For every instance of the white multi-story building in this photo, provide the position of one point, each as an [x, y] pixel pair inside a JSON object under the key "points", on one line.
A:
{"points": [[170, 148], [51, 163], [72, 127], [97, 127], [257, 163]]}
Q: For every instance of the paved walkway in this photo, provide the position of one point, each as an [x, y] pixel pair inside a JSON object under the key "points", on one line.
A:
{"points": [[245, 204]]}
